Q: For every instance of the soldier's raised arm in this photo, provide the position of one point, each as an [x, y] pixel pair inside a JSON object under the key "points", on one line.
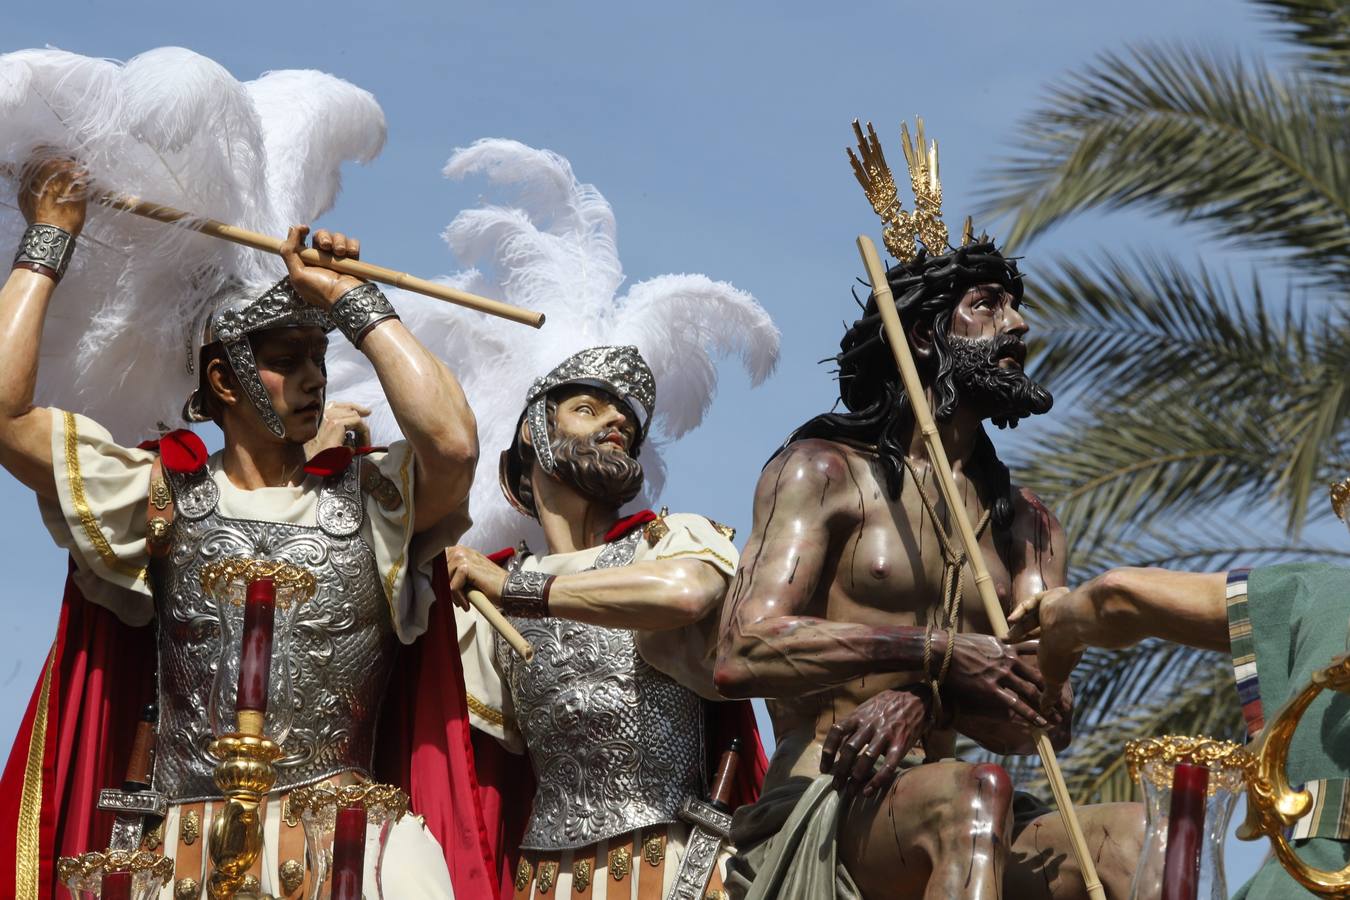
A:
{"points": [[52, 198]]}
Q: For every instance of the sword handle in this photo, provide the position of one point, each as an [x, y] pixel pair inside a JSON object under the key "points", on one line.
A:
{"points": [[142, 761], [724, 782]]}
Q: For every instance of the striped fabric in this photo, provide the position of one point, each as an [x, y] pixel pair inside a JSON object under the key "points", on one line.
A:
{"points": [[1244, 652], [1330, 813]]}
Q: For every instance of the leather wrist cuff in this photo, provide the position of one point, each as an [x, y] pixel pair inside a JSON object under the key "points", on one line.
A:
{"points": [[45, 249], [526, 594], [359, 310]]}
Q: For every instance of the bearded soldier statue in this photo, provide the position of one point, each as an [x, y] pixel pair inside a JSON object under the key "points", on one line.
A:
{"points": [[622, 614], [851, 613]]}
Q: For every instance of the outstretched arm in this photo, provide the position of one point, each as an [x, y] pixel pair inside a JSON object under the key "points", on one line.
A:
{"points": [[1119, 609], [52, 194], [425, 397], [656, 595]]}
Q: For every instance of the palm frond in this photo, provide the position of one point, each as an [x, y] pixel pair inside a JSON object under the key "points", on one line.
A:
{"points": [[1195, 548], [1209, 138], [1321, 28], [1122, 325], [1104, 474]]}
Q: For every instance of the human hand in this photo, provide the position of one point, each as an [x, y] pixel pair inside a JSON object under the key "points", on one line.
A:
{"points": [[989, 678], [1052, 617], [886, 726], [471, 570], [317, 285], [54, 191], [339, 419]]}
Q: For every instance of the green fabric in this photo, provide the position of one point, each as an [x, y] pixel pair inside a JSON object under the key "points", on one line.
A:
{"points": [[1272, 882], [786, 845], [1300, 615]]}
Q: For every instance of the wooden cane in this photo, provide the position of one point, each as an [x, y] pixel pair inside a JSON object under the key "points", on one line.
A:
{"points": [[502, 624], [923, 417], [268, 244]]}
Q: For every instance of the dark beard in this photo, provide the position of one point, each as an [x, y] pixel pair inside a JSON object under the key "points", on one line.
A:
{"points": [[1009, 394], [605, 476]]}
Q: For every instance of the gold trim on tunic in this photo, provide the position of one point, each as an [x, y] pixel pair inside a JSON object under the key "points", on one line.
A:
{"points": [[483, 711], [28, 842], [88, 521]]}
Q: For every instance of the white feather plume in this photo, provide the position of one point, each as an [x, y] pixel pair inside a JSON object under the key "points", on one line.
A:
{"points": [[548, 242], [175, 127]]}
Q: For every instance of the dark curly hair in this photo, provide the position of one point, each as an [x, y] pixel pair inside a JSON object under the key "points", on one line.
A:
{"points": [[927, 290]]}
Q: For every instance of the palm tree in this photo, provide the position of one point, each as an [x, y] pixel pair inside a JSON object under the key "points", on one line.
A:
{"points": [[1207, 417]]}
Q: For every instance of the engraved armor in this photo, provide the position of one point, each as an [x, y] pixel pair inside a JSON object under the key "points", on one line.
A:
{"points": [[615, 744], [343, 639]]}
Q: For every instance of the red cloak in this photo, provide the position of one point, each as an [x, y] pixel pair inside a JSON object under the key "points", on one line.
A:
{"points": [[76, 737]]}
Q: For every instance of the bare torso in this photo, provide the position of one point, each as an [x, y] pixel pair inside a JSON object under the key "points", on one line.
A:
{"points": [[884, 566]]}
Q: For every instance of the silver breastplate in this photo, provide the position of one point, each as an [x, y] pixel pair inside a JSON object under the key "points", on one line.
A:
{"points": [[343, 644], [615, 744]]}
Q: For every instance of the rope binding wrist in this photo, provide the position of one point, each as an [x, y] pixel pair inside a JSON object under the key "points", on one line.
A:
{"points": [[45, 249]]}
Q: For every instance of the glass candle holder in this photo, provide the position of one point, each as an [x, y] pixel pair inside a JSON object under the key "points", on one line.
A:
{"points": [[329, 814], [1190, 787], [233, 584], [115, 874]]}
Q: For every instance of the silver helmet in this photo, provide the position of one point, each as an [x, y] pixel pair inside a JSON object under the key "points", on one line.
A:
{"points": [[620, 371], [238, 312]]}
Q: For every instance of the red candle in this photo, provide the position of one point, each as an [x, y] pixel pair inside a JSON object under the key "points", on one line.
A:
{"points": [[349, 852], [116, 886], [255, 655], [1185, 832]]}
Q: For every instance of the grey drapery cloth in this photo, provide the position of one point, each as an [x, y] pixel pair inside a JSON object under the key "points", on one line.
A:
{"points": [[787, 845]]}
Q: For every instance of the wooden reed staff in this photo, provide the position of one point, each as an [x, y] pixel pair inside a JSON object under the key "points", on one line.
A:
{"points": [[268, 244], [501, 623], [937, 456]]}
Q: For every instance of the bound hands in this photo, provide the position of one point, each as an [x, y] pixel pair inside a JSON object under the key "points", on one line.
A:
{"points": [[316, 285], [55, 191], [998, 695]]}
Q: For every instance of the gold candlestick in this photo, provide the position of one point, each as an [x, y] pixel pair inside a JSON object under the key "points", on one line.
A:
{"points": [[245, 773], [246, 767]]}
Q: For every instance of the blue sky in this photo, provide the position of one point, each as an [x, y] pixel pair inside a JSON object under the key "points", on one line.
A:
{"points": [[716, 130]]}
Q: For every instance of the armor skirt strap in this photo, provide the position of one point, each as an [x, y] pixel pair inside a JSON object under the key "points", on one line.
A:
{"points": [[189, 854], [292, 874], [651, 868], [524, 883], [583, 872]]}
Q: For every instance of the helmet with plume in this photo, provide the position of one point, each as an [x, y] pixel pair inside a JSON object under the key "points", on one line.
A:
{"points": [[546, 241], [175, 127]]}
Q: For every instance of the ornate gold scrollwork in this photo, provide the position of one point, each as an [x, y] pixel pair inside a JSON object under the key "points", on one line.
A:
{"points": [[292, 874], [244, 775], [191, 829], [620, 863], [87, 864], [1272, 804], [227, 579]]}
